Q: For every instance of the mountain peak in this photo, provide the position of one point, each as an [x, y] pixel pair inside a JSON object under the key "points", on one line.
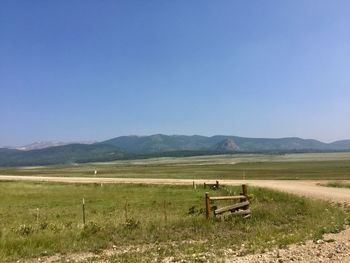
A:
{"points": [[227, 145]]}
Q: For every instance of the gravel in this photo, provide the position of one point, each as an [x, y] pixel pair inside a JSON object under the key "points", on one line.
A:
{"points": [[332, 248]]}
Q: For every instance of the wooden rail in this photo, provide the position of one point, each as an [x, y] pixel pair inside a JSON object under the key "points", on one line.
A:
{"points": [[231, 207], [240, 208], [212, 186], [231, 197]]}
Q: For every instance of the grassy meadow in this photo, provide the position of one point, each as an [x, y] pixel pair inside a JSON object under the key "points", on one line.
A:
{"points": [[150, 222], [251, 166]]}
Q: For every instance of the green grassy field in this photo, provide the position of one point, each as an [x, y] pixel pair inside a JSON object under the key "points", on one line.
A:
{"points": [[252, 166], [39, 219]]}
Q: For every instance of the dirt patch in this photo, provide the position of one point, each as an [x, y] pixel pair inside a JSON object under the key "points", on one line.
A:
{"points": [[332, 248]]}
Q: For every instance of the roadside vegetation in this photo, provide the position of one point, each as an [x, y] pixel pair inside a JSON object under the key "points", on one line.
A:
{"points": [[150, 221], [338, 184]]}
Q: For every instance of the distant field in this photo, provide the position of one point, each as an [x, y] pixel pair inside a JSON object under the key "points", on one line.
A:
{"points": [[41, 219], [250, 166]]}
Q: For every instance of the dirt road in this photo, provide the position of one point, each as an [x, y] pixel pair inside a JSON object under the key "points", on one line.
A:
{"points": [[299, 187]]}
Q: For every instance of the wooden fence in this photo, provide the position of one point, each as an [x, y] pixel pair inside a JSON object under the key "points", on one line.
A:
{"points": [[212, 186], [238, 208]]}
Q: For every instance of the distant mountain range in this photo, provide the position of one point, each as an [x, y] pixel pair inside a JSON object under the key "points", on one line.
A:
{"points": [[159, 143], [71, 153], [46, 144], [129, 147]]}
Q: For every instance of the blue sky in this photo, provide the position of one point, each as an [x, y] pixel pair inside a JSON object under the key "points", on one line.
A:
{"points": [[92, 70]]}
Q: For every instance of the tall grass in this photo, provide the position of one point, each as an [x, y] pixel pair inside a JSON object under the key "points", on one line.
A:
{"points": [[39, 219]]}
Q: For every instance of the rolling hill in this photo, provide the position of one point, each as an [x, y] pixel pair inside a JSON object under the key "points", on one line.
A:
{"points": [[129, 147], [164, 143], [72, 153]]}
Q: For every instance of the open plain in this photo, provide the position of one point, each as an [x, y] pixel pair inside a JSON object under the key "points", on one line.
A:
{"points": [[139, 219]]}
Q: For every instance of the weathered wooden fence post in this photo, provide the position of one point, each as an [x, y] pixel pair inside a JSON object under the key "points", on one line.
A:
{"points": [[217, 184], [207, 205], [126, 210], [84, 211], [244, 189], [165, 213]]}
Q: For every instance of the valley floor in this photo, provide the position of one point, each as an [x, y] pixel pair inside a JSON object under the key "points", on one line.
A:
{"points": [[332, 248], [309, 188], [300, 174]]}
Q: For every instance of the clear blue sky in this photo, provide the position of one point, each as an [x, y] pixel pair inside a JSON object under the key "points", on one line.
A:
{"points": [[92, 70]]}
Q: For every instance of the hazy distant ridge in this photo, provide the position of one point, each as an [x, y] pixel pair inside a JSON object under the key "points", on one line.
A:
{"points": [[47, 144], [164, 143], [161, 145]]}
